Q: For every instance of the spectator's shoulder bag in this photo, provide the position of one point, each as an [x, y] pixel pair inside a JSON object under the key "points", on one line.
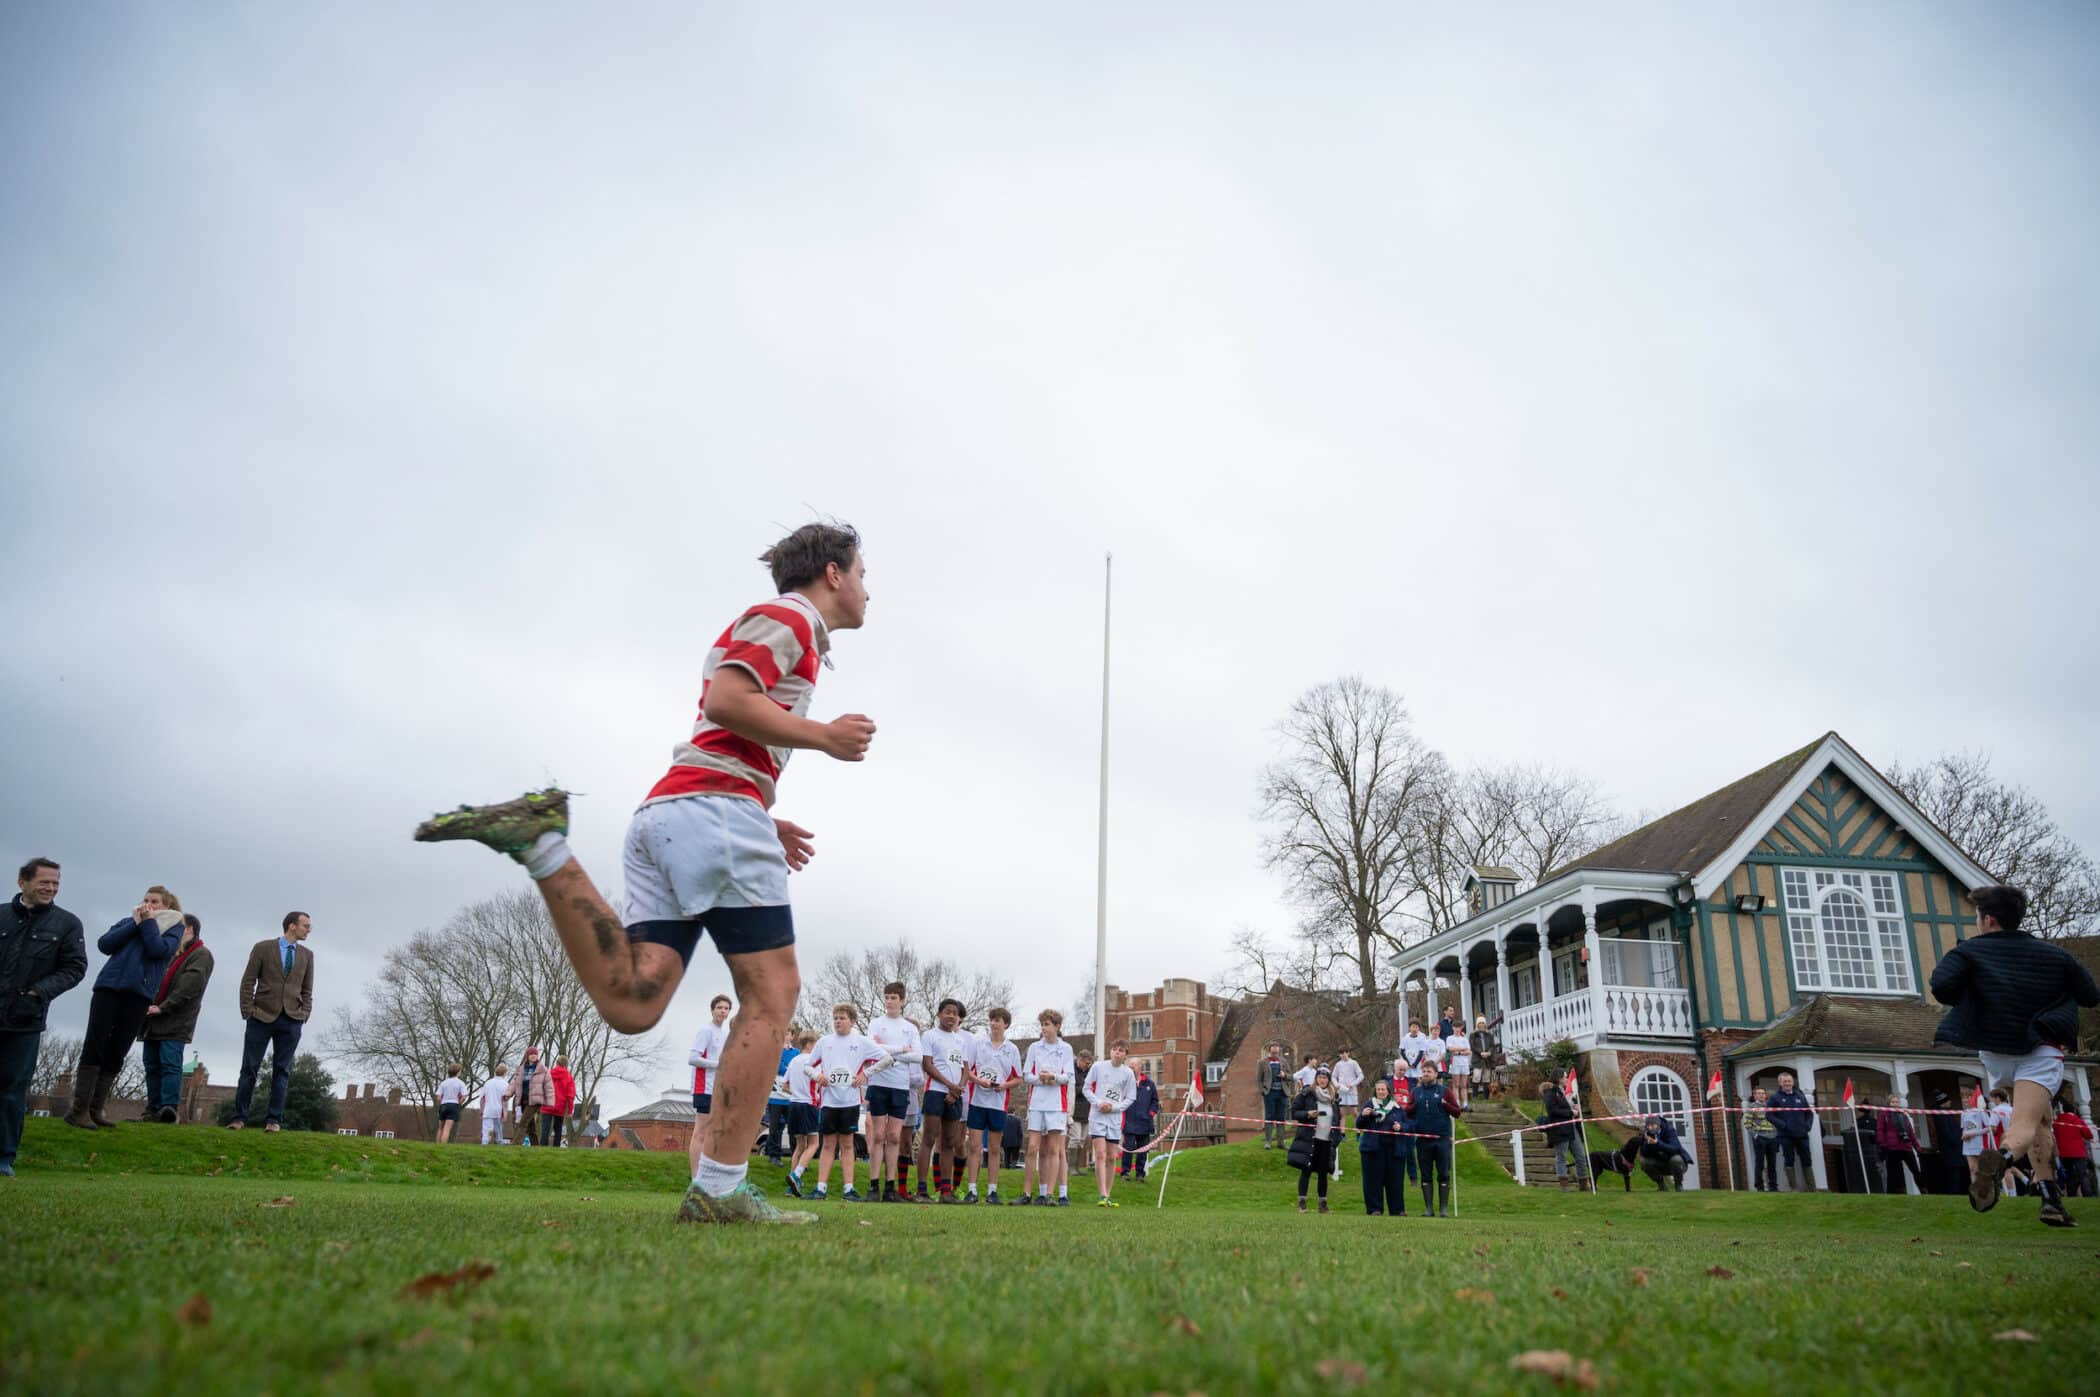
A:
{"points": [[1300, 1155]]}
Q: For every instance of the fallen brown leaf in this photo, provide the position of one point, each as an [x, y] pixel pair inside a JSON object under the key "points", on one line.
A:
{"points": [[1917, 1239], [1485, 1297], [1185, 1325], [194, 1313], [1720, 1273], [1559, 1294], [1963, 1266], [2013, 1336], [1640, 1275], [1346, 1371], [1558, 1364], [283, 1201], [446, 1282], [1935, 1253]]}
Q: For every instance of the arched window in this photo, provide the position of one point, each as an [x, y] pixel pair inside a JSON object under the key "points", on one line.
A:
{"points": [[1845, 931], [1657, 1091]]}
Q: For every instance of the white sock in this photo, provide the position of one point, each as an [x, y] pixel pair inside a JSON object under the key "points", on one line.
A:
{"points": [[717, 1180], [1063, 1192], [547, 855]]}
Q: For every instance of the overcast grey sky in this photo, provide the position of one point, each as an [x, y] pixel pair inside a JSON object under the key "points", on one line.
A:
{"points": [[392, 405]]}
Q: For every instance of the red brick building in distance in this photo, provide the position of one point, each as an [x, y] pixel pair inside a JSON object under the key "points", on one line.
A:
{"points": [[1168, 1031]]}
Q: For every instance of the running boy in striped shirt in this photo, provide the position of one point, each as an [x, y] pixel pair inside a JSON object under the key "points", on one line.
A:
{"points": [[703, 853]]}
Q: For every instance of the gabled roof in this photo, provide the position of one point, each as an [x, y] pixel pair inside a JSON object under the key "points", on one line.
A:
{"points": [[675, 1105], [1691, 837], [1713, 834], [1232, 1029]]}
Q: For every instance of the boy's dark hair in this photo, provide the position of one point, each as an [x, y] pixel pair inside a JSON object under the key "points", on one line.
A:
{"points": [[2007, 905], [1002, 1015], [29, 869], [718, 999], [801, 557], [960, 1011], [289, 918], [895, 987]]}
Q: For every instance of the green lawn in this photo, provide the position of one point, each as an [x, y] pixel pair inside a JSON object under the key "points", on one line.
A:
{"points": [[1225, 1290]]}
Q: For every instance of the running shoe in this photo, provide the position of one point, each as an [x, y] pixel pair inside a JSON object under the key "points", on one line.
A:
{"points": [[1063, 1201], [1022, 1202], [745, 1203], [511, 827], [851, 1196], [1983, 1185], [794, 1189]]}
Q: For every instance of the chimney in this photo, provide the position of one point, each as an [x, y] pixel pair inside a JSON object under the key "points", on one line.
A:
{"points": [[350, 1092], [393, 1096], [368, 1091]]}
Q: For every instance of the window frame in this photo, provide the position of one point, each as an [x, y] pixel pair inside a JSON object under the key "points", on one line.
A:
{"points": [[1140, 1029], [1828, 958]]}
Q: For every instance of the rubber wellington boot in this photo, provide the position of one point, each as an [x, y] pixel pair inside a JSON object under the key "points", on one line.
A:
{"points": [[84, 1083], [98, 1104], [1428, 1202], [1443, 1199]]}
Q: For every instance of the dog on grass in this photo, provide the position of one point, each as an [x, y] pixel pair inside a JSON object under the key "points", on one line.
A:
{"points": [[1604, 1162]]}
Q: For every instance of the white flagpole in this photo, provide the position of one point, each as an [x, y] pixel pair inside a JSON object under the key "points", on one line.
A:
{"points": [[1101, 868], [1173, 1140]]}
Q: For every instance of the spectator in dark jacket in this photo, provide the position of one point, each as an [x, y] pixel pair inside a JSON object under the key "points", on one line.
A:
{"points": [[1952, 1169], [1896, 1137], [1431, 1125], [171, 1021], [138, 947], [1381, 1152], [1764, 1143], [43, 953], [1272, 1076], [1565, 1136], [1319, 1119], [2015, 1000], [1793, 1117], [1664, 1161], [1140, 1118]]}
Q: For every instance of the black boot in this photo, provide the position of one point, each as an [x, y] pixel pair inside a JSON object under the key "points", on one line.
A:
{"points": [[2053, 1206], [84, 1083], [1443, 1198], [1428, 1203], [98, 1103]]}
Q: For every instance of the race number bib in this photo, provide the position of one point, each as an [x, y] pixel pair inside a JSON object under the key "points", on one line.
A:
{"points": [[839, 1077]]}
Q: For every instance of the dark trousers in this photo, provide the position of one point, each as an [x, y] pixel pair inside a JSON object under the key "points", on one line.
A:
{"points": [[281, 1037], [163, 1073], [550, 1130], [1385, 1181], [17, 1066], [1668, 1172], [1764, 1162], [2076, 1175], [1433, 1156], [1322, 1165], [1895, 1162], [1136, 1150], [776, 1129], [1275, 1106], [114, 1020]]}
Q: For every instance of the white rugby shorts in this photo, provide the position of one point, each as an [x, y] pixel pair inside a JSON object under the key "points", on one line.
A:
{"points": [[688, 856], [1044, 1122], [2044, 1067]]}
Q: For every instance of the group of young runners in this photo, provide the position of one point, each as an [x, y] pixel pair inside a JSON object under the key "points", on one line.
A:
{"points": [[704, 853], [953, 1090]]}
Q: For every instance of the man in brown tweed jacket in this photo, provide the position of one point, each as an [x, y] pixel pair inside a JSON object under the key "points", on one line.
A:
{"points": [[277, 996]]}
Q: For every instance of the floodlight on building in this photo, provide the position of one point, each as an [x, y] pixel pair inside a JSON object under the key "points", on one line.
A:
{"points": [[1750, 902]]}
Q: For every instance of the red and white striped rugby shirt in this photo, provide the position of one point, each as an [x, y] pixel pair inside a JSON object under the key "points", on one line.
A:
{"points": [[780, 644]]}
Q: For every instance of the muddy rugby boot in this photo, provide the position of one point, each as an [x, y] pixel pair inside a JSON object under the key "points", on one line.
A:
{"points": [[1983, 1185], [744, 1203], [509, 828]]}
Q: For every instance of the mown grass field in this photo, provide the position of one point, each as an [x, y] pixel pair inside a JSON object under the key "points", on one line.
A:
{"points": [[1225, 1290]]}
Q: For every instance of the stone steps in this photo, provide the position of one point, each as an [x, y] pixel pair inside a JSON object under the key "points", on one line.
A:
{"points": [[1495, 1121]]}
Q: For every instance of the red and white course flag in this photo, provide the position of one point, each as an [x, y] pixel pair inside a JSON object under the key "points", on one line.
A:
{"points": [[1195, 1088], [1713, 1086], [1976, 1098], [1567, 1084], [1848, 1091]]}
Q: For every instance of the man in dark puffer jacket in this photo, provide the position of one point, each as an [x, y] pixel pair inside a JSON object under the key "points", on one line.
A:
{"points": [[2014, 999]]}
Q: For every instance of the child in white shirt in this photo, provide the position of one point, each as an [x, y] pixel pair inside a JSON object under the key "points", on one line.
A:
{"points": [[802, 1108], [1110, 1088], [494, 1093], [840, 1065], [452, 1101], [995, 1065], [1050, 1071]]}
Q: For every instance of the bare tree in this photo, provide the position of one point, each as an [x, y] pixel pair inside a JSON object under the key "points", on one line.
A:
{"points": [[56, 1058], [1530, 819], [1079, 1018], [1341, 805], [490, 983], [2008, 830], [847, 978]]}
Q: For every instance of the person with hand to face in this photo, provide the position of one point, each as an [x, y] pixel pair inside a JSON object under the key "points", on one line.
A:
{"points": [[43, 953], [171, 1021], [139, 947]]}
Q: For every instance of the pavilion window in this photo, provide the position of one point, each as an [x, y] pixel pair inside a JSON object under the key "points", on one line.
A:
{"points": [[1845, 931]]}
